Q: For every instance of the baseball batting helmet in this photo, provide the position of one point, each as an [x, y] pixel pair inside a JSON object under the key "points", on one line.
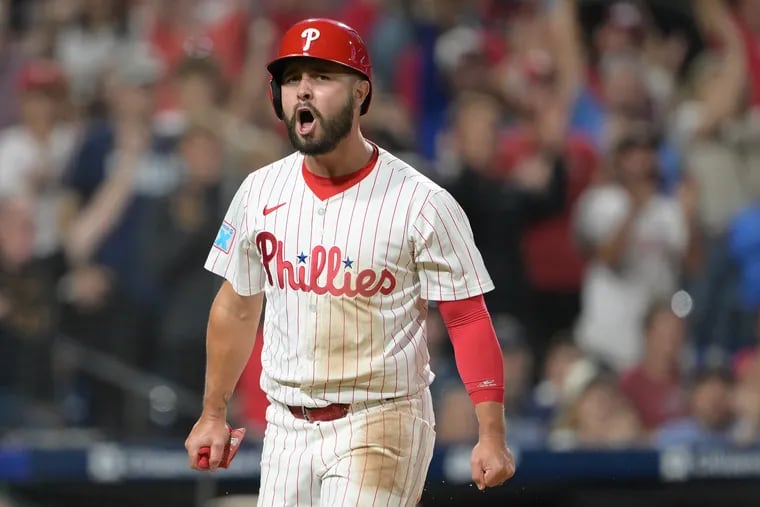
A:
{"points": [[323, 39]]}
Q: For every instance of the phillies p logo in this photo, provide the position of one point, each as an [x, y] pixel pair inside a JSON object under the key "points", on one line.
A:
{"points": [[309, 35]]}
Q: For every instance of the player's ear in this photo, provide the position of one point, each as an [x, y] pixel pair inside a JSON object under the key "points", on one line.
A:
{"points": [[361, 90]]}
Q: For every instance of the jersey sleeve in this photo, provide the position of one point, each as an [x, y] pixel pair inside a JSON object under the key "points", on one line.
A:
{"points": [[449, 265], [233, 254]]}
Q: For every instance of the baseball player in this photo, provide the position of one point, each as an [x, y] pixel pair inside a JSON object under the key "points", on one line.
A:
{"points": [[348, 244]]}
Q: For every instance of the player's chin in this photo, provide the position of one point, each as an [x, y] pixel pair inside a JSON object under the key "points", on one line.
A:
{"points": [[309, 138], [311, 141]]}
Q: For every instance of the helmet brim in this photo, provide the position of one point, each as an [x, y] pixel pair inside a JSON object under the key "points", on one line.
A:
{"points": [[277, 66]]}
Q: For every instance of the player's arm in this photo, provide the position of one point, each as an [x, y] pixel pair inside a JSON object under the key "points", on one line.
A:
{"points": [[451, 271], [233, 323], [232, 326], [478, 358], [481, 368]]}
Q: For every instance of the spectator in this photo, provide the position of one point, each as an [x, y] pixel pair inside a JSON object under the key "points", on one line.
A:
{"points": [[28, 320], [500, 208], [746, 369], [85, 46], [389, 124], [546, 395], [609, 86], [710, 418], [743, 243], [201, 90], [717, 133], [110, 295], [388, 35], [655, 385], [421, 77], [636, 240], [595, 414], [34, 153], [747, 16], [554, 265], [184, 221], [120, 161], [197, 28], [12, 60]]}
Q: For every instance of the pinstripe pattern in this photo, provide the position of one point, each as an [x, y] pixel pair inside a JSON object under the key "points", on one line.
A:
{"points": [[340, 463], [336, 347], [347, 280]]}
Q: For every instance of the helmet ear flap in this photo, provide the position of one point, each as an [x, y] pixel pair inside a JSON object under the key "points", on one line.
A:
{"points": [[365, 104], [275, 93]]}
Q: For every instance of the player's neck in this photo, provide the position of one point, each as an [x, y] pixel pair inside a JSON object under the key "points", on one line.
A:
{"points": [[351, 154]]}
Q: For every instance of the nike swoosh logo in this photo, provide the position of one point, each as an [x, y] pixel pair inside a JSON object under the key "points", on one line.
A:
{"points": [[273, 208]]}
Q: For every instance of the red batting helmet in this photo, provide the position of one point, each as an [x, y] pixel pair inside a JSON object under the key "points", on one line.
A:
{"points": [[324, 39]]}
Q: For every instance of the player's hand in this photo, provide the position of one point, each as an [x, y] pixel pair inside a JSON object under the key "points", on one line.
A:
{"points": [[211, 432], [492, 462]]}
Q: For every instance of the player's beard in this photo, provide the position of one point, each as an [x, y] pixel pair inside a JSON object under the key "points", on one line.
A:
{"points": [[334, 130]]}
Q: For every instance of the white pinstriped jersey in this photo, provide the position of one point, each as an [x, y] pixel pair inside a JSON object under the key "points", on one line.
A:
{"points": [[347, 279]]}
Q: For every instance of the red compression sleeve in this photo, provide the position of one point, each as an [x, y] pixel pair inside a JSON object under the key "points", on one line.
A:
{"points": [[477, 351]]}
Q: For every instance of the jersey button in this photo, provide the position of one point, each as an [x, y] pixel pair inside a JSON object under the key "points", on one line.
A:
{"points": [[320, 211]]}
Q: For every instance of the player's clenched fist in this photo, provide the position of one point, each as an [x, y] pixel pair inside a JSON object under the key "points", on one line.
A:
{"points": [[208, 432], [492, 462]]}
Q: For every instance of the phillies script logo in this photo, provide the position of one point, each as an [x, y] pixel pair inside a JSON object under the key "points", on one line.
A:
{"points": [[339, 280]]}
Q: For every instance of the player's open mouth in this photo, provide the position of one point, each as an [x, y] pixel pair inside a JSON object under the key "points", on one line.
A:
{"points": [[305, 121]]}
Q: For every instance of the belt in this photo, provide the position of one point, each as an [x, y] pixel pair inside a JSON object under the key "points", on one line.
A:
{"points": [[328, 413]]}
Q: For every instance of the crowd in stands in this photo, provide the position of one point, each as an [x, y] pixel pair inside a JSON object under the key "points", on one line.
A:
{"points": [[607, 154]]}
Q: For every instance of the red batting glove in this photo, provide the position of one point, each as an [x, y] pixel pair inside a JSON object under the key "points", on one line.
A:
{"points": [[233, 444]]}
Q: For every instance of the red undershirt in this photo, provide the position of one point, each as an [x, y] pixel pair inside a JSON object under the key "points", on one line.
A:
{"points": [[476, 348], [325, 187]]}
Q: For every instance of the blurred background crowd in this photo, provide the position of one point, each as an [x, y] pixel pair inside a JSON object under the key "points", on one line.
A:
{"points": [[627, 274]]}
